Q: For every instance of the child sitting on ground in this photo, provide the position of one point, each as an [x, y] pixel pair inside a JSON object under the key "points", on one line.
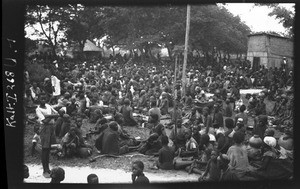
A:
{"points": [[166, 155], [212, 169], [226, 173]]}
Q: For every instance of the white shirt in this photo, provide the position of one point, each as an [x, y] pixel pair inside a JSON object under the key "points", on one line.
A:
{"points": [[56, 84], [41, 112]]}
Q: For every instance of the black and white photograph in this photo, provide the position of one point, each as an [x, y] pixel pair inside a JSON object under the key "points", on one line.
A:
{"points": [[150, 94]]}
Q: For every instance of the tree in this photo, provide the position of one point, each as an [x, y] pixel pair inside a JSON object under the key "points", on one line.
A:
{"points": [[49, 20], [84, 23], [286, 17]]}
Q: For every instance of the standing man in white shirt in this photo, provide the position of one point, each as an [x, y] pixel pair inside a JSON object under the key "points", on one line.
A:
{"points": [[46, 115]]}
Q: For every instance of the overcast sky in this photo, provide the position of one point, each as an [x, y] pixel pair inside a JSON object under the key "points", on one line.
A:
{"points": [[256, 17]]}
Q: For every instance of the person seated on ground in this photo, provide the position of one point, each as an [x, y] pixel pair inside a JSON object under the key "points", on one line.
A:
{"points": [[82, 103], [153, 144], [59, 122], [191, 146], [164, 105], [222, 142], [72, 143], [228, 109], [188, 102], [165, 155], [63, 101], [95, 116], [229, 124], [202, 97], [226, 173], [35, 92], [273, 167], [175, 114], [98, 130], [142, 101], [137, 176], [105, 98], [260, 108], [135, 99], [110, 141], [253, 101], [92, 179], [242, 115], [196, 133], [113, 100], [287, 115], [154, 110], [207, 119], [93, 107], [240, 126], [276, 106], [205, 148], [212, 171], [260, 125], [178, 136], [217, 116], [72, 108], [127, 111], [25, 171], [65, 127], [238, 156], [57, 175], [196, 117], [156, 126]]}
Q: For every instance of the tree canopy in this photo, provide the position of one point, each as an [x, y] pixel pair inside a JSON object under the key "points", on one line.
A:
{"points": [[286, 17], [142, 27]]}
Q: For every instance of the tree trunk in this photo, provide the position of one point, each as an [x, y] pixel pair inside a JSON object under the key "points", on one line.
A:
{"points": [[53, 53]]}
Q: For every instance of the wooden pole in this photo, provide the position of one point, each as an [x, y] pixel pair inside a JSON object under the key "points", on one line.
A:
{"points": [[174, 100], [187, 31]]}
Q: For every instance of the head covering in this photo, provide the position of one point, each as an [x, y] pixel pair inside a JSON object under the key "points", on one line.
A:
{"points": [[143, 91], [212, 137], [270, 141], [240, 119]]}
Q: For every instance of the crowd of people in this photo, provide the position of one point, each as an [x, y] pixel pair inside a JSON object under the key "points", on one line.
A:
{"points": [[209, 119]]}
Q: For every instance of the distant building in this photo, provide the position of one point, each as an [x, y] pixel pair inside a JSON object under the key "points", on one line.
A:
{"points": [[270, 50]]}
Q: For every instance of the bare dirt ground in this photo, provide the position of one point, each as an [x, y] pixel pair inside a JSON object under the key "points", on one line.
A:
{"points": [[79, 175]]}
